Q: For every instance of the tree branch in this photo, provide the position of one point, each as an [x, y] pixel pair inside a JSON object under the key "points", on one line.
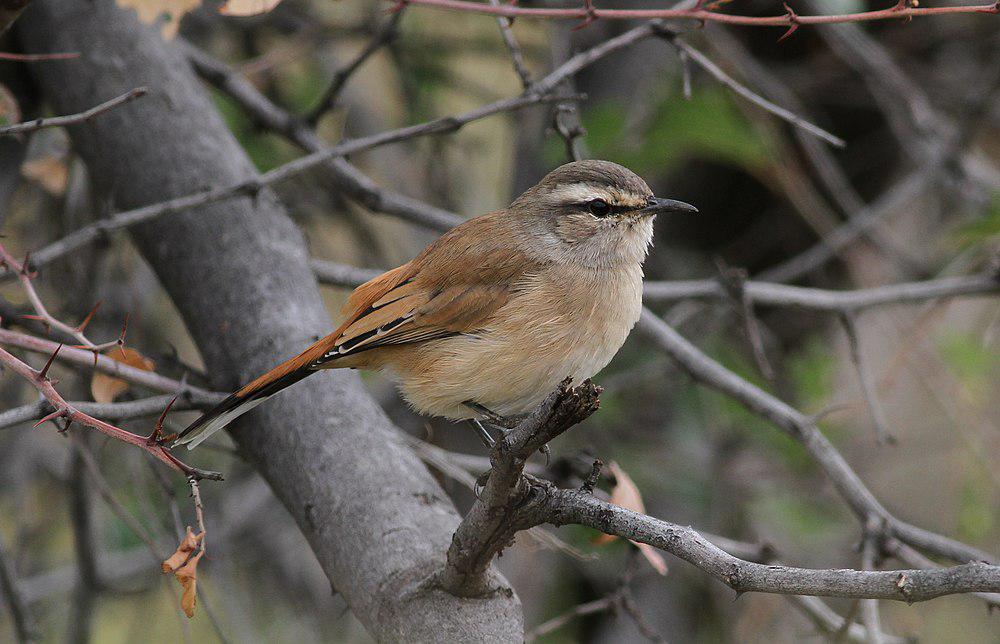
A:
{"points": [[588, 14], [487, 528], [756, 292], [802, 428], [72, 119]]}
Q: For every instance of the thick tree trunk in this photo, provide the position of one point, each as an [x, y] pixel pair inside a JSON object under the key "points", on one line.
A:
{"points": [[238, 273]]}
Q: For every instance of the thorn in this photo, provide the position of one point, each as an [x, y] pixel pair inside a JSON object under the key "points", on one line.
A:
{"points": [[25, 266], [121, 338], [793, 22], [56, 414], [157, 435], [45, 369], [589, 15], [86, 320], [396, 8]]}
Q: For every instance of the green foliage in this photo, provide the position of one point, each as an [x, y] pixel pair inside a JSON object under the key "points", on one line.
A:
{"points": [[799, 514], [811, 371], [982, 230], [266, 150], [708, 126], [973, 364], [977, 509]]}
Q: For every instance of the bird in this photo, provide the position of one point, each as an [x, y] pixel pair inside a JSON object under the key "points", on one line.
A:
{"points": [[489, 318]]}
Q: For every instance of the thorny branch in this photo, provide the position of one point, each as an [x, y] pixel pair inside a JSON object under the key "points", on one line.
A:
{"points": [[69, 414], [588, 14], [45, 385]]}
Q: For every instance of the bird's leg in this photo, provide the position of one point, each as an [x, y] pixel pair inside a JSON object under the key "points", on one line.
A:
{"points": [[502, 423], [488, 440], [490, 415]]}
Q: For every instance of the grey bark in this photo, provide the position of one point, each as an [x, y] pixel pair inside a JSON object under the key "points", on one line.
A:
{"points": [[238, 273]]}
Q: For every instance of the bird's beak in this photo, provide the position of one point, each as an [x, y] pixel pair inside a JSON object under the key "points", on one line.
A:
{"points": [[664, 206]]}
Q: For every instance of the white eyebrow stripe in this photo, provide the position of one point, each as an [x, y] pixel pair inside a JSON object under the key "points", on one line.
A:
{"points": [[581, 193]]}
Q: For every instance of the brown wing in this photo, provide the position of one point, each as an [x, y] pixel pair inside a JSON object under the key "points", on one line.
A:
{"points": [[454, 286]]}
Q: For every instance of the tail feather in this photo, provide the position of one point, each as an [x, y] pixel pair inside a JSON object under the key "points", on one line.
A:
{"points": [[235, 406]]}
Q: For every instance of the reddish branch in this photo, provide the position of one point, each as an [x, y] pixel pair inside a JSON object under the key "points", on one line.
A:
{"points": [[45, 386], [587, 13]]}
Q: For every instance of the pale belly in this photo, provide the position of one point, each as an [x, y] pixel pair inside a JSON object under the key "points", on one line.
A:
{"points": [[548, 333]]}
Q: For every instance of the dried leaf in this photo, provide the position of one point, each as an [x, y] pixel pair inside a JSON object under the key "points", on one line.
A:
{"points": [[188, 544], [10, 111], [626, 494], [105, 388], [50, 172], [187, 576], [166, 12], [247, 7]]}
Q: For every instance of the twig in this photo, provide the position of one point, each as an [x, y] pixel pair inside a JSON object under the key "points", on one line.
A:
{"points": [[789, 20], [562, 507], [88, 582], [85, 358], [343, 175], [20, 613], [671, 36], [802, 428], [910, 557], [600, 605], [825, 619], [108, 495], [490, 524], [734, 282], [385, 34], [37, 58], [882, 433], [72, 119], [758, 293], [63, 410], [127, 218], [513, 48], [869, 607], [115, 411]]}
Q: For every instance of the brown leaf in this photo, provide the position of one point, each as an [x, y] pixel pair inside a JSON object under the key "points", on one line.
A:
{"points": [[187, 576], [50, 172], [105, 388], [247, 7], [167, 12], [188, 545], [626, 494]]}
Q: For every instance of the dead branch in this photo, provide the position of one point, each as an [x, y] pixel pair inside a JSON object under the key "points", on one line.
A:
{"points": [[802, 428], [72, 119], [511, 502]]}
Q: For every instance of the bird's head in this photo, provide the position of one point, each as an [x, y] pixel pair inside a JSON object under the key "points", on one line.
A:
{"points": [[595, 213]]}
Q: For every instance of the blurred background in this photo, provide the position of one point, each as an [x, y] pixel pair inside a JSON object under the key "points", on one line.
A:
{"points": [[917, 106]]}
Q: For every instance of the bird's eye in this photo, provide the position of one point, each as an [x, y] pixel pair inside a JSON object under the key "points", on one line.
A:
{"points": [[599, 207]]}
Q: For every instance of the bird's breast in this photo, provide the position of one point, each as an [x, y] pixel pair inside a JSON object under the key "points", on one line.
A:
{"points": [[562, 321]]}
